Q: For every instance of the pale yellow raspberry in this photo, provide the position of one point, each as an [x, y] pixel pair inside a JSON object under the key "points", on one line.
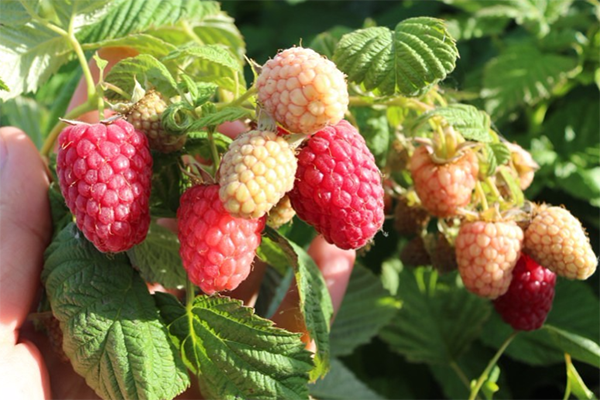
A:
{"points": [[556, 240], [302, 90], [255, 173], [281, 214]]}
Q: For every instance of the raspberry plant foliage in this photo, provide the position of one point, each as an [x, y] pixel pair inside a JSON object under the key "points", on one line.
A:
{"points": [[193, 55]]}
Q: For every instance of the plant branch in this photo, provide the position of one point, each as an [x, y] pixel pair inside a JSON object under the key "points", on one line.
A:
{"points": [[490, 365], [190, 293]]}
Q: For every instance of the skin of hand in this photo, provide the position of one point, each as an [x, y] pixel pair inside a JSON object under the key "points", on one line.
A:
{"points": [[29, 369]]}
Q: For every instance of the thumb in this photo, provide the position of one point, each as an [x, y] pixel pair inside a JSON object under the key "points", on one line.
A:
{"points": [[24, 227]]}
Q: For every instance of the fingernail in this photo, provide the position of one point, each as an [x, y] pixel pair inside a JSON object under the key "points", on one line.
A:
{"points": [[3, 151]]}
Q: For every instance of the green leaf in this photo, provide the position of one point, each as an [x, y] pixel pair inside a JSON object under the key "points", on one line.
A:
{"points": [[30, 54], [575, 309], [497, 154], [166, 186], [28, 115], [418, 53], [578, 347], [374, 127], [467, 27], [274, 255], [577, 385], [208, 63], [522, 75], [78, 13], [326, 42], [198, 143], [435, 324], [150, 72], [220, 29], [234, 353], [472, 123], [13, 13], [61, 215], [217, 118], [157, 258], [366, 308], [315, 301], [341, 384], [132, 16], [143, 43], [113, 334], [390, 274]]}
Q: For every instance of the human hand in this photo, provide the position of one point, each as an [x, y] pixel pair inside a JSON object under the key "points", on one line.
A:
{"points": [[29, 367]]}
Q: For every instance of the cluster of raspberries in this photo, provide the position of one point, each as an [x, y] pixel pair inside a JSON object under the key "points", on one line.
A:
{"points": [[330, 181], [513, 264]]}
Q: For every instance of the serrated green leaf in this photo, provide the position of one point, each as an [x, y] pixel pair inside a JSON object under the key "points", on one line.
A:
{"points": [[198, 143], [418, 53], [274, 255], [496, 154], [366, 308], [234, 353], [132, 16], [30, 54], [315, 301], [467, 27], [77, 13], [434, 326], [578, 347], [157, 258], [575, 309], [390, 274], [166, 186], [113, 334], [341, 384], [521, 75], [147, 70], [217, 118], [213, 54], [143, 43], [472, 123], [374, 127], [577, 385], [12, 13], [220, 29]]}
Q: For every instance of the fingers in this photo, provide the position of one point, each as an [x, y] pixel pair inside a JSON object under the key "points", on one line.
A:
{"points": [[336, 266], [24, 227]]}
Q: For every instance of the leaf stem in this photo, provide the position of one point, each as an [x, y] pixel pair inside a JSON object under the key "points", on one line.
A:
{"points": [[117, 90], [74, 113], [461, 375], [240, 100], [190, 32], [481, 196], [490, 365], [190, 293], [568, 387]]}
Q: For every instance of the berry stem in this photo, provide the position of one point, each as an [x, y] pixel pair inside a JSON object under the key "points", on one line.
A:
{"points": [[240, 100], [568, 387], [480, 195], [190, 295], [461, 375], [116, 89], [491, 364], [74, 113]]}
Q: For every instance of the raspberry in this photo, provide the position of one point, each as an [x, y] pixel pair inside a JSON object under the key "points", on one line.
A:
{"points": [[556, 240], [281, 214], [529, 297], [338, 187], [414, 253], [217, 249], [105, 173], [443, 188], [486, 253], [409, 219], [442, 253], [255, 173], [145, 116], [302, 90]]}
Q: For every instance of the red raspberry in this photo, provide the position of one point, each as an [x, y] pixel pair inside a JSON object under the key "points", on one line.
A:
{"points": [[338, 187], [414, 253], [105, 172], [556, 239], [217, 249], [486, 253], [529, 297], [443, 188], [302, 90]]}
